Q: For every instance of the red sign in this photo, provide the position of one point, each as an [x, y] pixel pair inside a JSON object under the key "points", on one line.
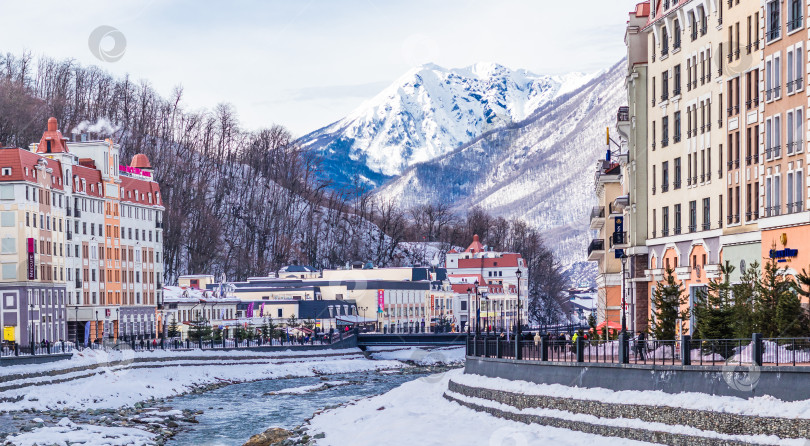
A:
{"points": [[380, 301], [32, 267], [432, 301]]}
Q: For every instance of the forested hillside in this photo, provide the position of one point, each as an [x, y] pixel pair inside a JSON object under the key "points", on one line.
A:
{"points": [[243, 202]]}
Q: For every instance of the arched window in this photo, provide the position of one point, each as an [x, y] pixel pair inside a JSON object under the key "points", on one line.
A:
{"points": [[704, 25]]}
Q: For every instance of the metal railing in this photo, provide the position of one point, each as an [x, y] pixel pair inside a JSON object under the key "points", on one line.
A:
{"points": [[756, 350]]}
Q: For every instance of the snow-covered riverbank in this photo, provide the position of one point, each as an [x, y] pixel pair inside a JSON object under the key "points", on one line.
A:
{"points": [[416, 411], [112, 396]]}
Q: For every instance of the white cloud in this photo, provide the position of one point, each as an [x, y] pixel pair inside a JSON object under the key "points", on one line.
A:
{"points": [[276, 61]]}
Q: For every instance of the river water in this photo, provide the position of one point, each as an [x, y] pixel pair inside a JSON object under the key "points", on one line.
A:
{"points": [[234, 413]]}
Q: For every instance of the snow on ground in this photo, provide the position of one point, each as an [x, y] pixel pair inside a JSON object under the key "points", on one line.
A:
{"points": [[126, 386], [417, 411], [452, 355], [89, 357], [67, 433], [631, 423], [762, 406]]}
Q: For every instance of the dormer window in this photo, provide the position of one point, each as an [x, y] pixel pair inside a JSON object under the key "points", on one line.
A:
{"points": [[6, 171], [84, 185]]}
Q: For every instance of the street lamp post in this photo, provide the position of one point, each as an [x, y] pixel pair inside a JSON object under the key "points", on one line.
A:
{"points": [[518, 352], [625, 344], [31, 332], [477, 310], [469, 304]]}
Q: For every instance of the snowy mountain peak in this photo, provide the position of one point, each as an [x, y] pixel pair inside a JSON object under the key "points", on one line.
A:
{"points": [[429, 112]]}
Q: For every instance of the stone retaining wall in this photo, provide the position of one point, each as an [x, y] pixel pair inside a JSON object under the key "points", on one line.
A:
{"points": [[602, 430], [725, 423], [786, 383]]}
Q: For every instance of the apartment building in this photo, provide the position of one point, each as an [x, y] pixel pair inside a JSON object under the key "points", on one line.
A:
{"points": [[784, 218], [501, 276], [608, 187], [629, 238], [686, 221], [32, 255], [740, 64], [73, 239]]}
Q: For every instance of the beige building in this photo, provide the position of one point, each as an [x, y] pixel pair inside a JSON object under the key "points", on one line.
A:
{"points": [[686, 95]]}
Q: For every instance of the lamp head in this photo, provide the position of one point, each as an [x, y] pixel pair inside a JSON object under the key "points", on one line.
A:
{"points": [[518, 273]]}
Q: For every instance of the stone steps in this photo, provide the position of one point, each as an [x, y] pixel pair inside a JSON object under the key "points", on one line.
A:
{"points": [[654, 424]]}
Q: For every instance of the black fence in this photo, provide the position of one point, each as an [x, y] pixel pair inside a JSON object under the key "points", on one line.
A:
{"points": [[684, 351]]}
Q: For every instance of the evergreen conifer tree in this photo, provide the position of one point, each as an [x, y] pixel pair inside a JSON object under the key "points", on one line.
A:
{"points": [[770, 291], [745, 297], [714, 308], [668, 298], [174, 330]]}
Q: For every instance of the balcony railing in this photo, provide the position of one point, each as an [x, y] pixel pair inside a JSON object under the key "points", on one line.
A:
{"points": [[158, 224], [598, 212], [692, 228], [78, 283], [707, 225], [794, 23], [69, 211], [69, 235], [623, 114], [597, 244], [664, 187], [618, 238], [793, 208]]}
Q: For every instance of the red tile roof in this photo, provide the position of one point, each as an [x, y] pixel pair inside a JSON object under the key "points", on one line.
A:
{"points": [[140, 161], [90, 177], [20, 159], [134, 190], [475, 246], [54, 136], [506, 260]]}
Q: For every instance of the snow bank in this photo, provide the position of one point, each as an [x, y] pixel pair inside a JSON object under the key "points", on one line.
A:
{"points": [[417, 410], [126, 386], [760, 406], [454, 355], [66, 433]]}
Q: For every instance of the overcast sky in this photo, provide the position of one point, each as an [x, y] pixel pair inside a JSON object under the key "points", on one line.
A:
{"points": [[306, 63]]}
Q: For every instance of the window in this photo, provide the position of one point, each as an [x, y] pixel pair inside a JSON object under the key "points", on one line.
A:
{"points": [[7, 219], [707, 219], [664, 42], [664, 131], [693, 216], [676, 89], [777, 77], [6, 171], [795, 15], [772, 32], [676, 184], [677, 223], [676, 37], [665, 221], [665, 176], [677, 131]]}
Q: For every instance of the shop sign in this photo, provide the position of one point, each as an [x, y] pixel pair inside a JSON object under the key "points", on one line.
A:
{"points": [[785, 254], [380, 301], [32, 267]]}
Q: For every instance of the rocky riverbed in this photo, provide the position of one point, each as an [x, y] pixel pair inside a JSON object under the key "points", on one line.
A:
{"points": [[204, 410]]}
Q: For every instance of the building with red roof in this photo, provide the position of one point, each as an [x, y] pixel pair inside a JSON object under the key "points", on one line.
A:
{"points": [[81, 242]]}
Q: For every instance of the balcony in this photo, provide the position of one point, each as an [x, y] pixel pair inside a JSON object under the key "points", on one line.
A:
{"points": [[623, 114], [158, 225], [597, 217], [706, 226], [619, 204], [596, 249], [77, 213], [619, 240]]}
